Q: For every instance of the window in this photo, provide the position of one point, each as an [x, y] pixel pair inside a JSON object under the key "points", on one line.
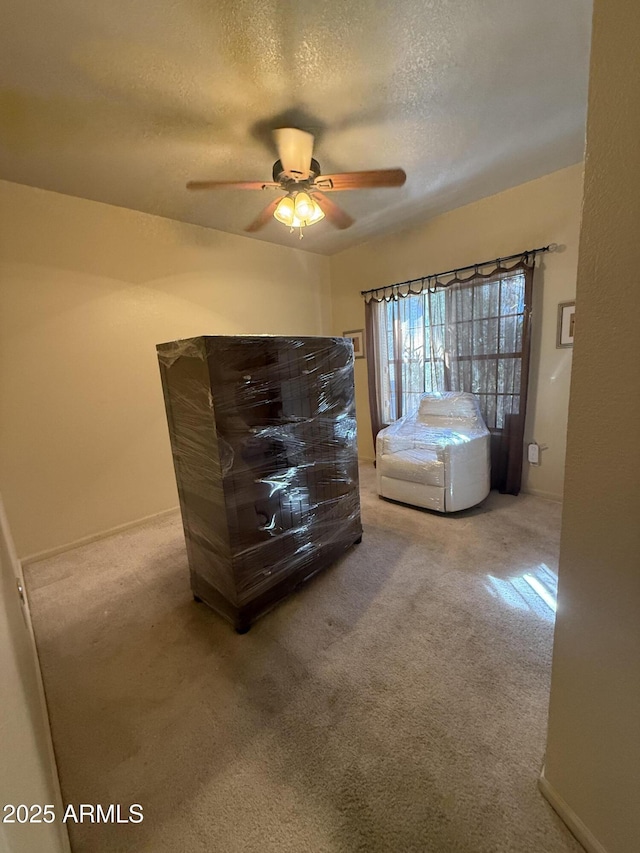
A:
{"points": [[466, 337]]}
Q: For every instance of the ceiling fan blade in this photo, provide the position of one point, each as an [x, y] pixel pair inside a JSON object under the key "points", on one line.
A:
{"points": [[336, 215], [295, 148], [231, 185], [361, 180], [263, 217]]}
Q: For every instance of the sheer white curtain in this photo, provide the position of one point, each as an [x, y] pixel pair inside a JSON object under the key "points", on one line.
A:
{"points": [[412, 352]]}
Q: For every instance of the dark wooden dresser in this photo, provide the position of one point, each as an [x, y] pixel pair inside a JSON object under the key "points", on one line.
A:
{"points": [[263, 435]]}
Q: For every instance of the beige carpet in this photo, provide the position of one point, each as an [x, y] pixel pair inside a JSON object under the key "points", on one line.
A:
{"points": [[397, 703]]}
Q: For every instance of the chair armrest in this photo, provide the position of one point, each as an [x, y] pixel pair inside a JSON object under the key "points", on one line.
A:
{"points": [[396, 441], [469, 459]]}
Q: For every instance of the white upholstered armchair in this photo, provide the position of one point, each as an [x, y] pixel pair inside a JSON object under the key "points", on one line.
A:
{"points": [[437, 458]]}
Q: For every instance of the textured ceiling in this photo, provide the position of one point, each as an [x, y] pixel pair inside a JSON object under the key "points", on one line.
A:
{"points": [[123, 102]]}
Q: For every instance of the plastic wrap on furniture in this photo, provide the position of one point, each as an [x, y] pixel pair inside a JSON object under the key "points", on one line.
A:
{"points": [[438, 457], [263, 436]]}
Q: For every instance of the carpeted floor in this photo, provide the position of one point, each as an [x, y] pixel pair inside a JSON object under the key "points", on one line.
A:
{"points": [[397, 703]]}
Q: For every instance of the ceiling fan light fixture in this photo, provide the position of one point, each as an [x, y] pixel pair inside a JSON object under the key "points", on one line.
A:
{"points": [[297, 210]]}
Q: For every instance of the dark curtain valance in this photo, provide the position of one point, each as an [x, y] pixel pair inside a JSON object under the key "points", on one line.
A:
{"points": [[469, 333], [436, 281]]}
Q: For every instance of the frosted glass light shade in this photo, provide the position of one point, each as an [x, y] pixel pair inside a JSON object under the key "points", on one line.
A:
{"points": [[317, 214], [285, 211], [304, 206]]}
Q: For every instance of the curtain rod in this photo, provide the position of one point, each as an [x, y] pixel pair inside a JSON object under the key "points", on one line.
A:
{"points": [[550, 248]]}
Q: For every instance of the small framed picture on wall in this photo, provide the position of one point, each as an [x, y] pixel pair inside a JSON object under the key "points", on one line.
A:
{"points": [[566, 324], [357, 339]]}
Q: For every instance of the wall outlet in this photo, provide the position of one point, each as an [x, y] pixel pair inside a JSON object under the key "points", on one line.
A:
{"points": [[533, 453]]}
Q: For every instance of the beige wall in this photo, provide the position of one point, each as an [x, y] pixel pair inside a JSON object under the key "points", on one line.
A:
{"points": [[593, 753], [86, 291], [534, 214]]}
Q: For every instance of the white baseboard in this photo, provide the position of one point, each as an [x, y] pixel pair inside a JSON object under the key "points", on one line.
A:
{"points": [[570, 818], [549, 496], [94, 537]]}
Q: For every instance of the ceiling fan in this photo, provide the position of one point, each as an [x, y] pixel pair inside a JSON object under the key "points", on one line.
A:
{"points": [[299, 176]]}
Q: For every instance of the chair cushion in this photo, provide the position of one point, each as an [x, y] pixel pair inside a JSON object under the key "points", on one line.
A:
{"points": [[448, 405], [416, 466]]}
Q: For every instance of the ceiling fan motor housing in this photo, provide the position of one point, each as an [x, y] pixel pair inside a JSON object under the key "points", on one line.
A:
{"points": [[282, 176]]}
